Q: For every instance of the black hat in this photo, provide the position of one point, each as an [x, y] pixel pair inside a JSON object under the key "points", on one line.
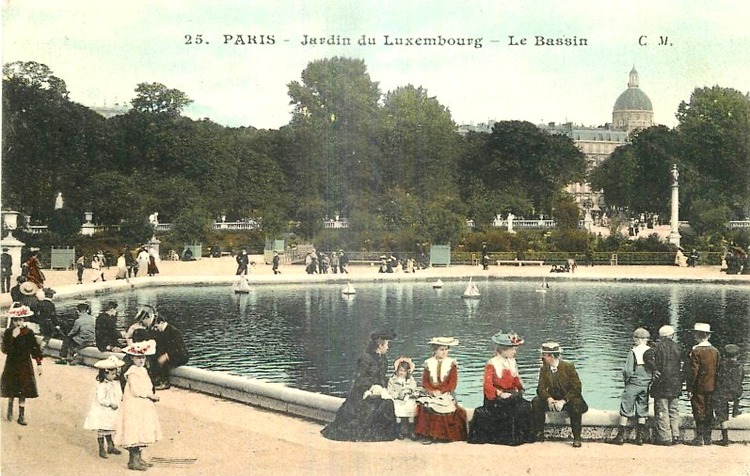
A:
{"points": [[384, 334], [731, 350], [109, 305]]}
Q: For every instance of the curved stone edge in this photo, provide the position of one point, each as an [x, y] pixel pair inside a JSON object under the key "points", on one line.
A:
{"points": [[598, 425]]}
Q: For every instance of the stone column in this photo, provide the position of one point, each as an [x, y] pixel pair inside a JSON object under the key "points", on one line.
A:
{"points": [[674, 221], [10, 218]]}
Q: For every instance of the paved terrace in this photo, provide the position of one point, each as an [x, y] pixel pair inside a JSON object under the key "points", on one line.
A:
{"points": [[204, 435]]}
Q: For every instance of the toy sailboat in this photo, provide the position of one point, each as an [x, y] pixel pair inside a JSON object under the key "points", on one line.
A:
{"points": [[437, 284], [472, 291], [241, 286], [544, 287], [348, 290]]}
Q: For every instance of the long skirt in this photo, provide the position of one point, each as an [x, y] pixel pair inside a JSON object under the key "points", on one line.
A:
{"points": [[502, 422], [441, 426], [358, 419]]}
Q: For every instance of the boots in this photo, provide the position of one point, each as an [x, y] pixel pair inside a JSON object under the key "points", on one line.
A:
{"points": [[111, 446], [698, 438], [133, 462], [707, 430], [402, 429], [9, 415], [724, 437], [141, 460], [21, 419], [641, 435], [102, 449], [619, 439]]}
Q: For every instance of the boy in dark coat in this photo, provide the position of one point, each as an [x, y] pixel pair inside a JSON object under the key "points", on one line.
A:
{"points": [[559, 389], [171, 352], [664, 359], [728, 389], [701, 382]]}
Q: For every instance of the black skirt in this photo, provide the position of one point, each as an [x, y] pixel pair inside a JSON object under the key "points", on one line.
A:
{"points": [[502, 422]]}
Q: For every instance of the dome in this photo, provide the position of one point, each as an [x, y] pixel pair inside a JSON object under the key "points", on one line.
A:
{"points": [[633, 99]]}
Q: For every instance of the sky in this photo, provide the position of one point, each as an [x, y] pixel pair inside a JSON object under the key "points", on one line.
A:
{"points": [[104, 49]]}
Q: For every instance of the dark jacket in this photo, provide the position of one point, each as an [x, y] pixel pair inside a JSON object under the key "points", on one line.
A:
{"points": [[729, 380], [564, 384], [45, 314], [170, 342], [107, 334], [701, 371], [665, 360]]}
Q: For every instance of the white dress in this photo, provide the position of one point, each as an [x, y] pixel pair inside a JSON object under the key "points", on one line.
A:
{"points": [[101, 415], [137, 423]]}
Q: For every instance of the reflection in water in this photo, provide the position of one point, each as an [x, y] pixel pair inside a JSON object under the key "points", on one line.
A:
{"points": [[310, 336]]}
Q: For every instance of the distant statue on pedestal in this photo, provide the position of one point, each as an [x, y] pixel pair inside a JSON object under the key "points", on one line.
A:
{"points": [[675, 175], [58, 201], [154, 219]]}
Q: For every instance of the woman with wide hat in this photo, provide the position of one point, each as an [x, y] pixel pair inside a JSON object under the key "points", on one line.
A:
{"points": [[439, 418], [367, 414], [505, 417]]}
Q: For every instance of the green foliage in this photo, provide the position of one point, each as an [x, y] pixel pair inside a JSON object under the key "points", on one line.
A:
{"points": [[567, 214], [192, 224], [156, 98], [65, 223]]}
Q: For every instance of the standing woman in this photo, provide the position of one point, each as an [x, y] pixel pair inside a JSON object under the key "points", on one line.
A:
{"points": [[19, 343], [439, 418], [96, 265], [367, 414], [505, 417], [34, 269]]}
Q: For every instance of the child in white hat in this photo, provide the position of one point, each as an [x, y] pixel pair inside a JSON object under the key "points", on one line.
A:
{"points": [[137, 424], [104, 405]]}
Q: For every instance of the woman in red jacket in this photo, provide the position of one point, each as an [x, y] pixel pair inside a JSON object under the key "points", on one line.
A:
{"points": [[439, 418]]}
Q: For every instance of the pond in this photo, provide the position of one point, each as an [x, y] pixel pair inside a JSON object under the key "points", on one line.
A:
{"points": [[309, 336]]}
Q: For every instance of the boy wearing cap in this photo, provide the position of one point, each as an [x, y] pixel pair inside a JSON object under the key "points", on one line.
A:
{"points": [[664, 359], [45, 315], [83, 334], [701, 382], [728, 389], [559, 389], [634, 399]]}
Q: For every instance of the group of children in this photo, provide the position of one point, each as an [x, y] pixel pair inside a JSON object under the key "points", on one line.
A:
{"points": [[125, 414], [712, 382]]}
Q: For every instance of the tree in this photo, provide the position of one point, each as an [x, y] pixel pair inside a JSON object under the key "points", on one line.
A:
{"points": [[420, 145], [35, 75], [714, 137], [192, 224], [336, 123], [637, 175], [156, 98]]}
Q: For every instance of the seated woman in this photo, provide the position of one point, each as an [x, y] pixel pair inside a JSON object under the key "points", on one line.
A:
{"points": [[367, 414], [439, 418], [505, 417]]}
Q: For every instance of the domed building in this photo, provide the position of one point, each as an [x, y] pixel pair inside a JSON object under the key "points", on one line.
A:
{"points": [[633, 109]]}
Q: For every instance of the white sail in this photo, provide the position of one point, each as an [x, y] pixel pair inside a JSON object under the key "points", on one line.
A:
{"points": [[437, 284], [472, 291], [241, 286], [349, 289]]}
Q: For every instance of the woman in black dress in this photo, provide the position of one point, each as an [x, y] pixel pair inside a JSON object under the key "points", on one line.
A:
{"points": [[370, 418], [19, 343], [505, 417]]}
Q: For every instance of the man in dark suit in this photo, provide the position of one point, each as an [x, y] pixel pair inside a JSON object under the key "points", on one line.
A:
{"points": [[6, 263], [107, 335], [559, 390]]}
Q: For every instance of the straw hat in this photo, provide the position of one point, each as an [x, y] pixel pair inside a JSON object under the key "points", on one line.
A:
{"points": [[507, 339], [403, 359], [446, 341], [19, 311], [641, 333], [28, 288], [111, 362], [702, 327], [550, 348], [141, 349]]}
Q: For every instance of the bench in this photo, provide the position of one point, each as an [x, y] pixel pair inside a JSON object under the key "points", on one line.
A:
{"points": [[519, 262]]}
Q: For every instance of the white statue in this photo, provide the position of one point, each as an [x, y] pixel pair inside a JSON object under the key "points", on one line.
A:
{"points": [[154, 219], [58, 201], [675, 175]]}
